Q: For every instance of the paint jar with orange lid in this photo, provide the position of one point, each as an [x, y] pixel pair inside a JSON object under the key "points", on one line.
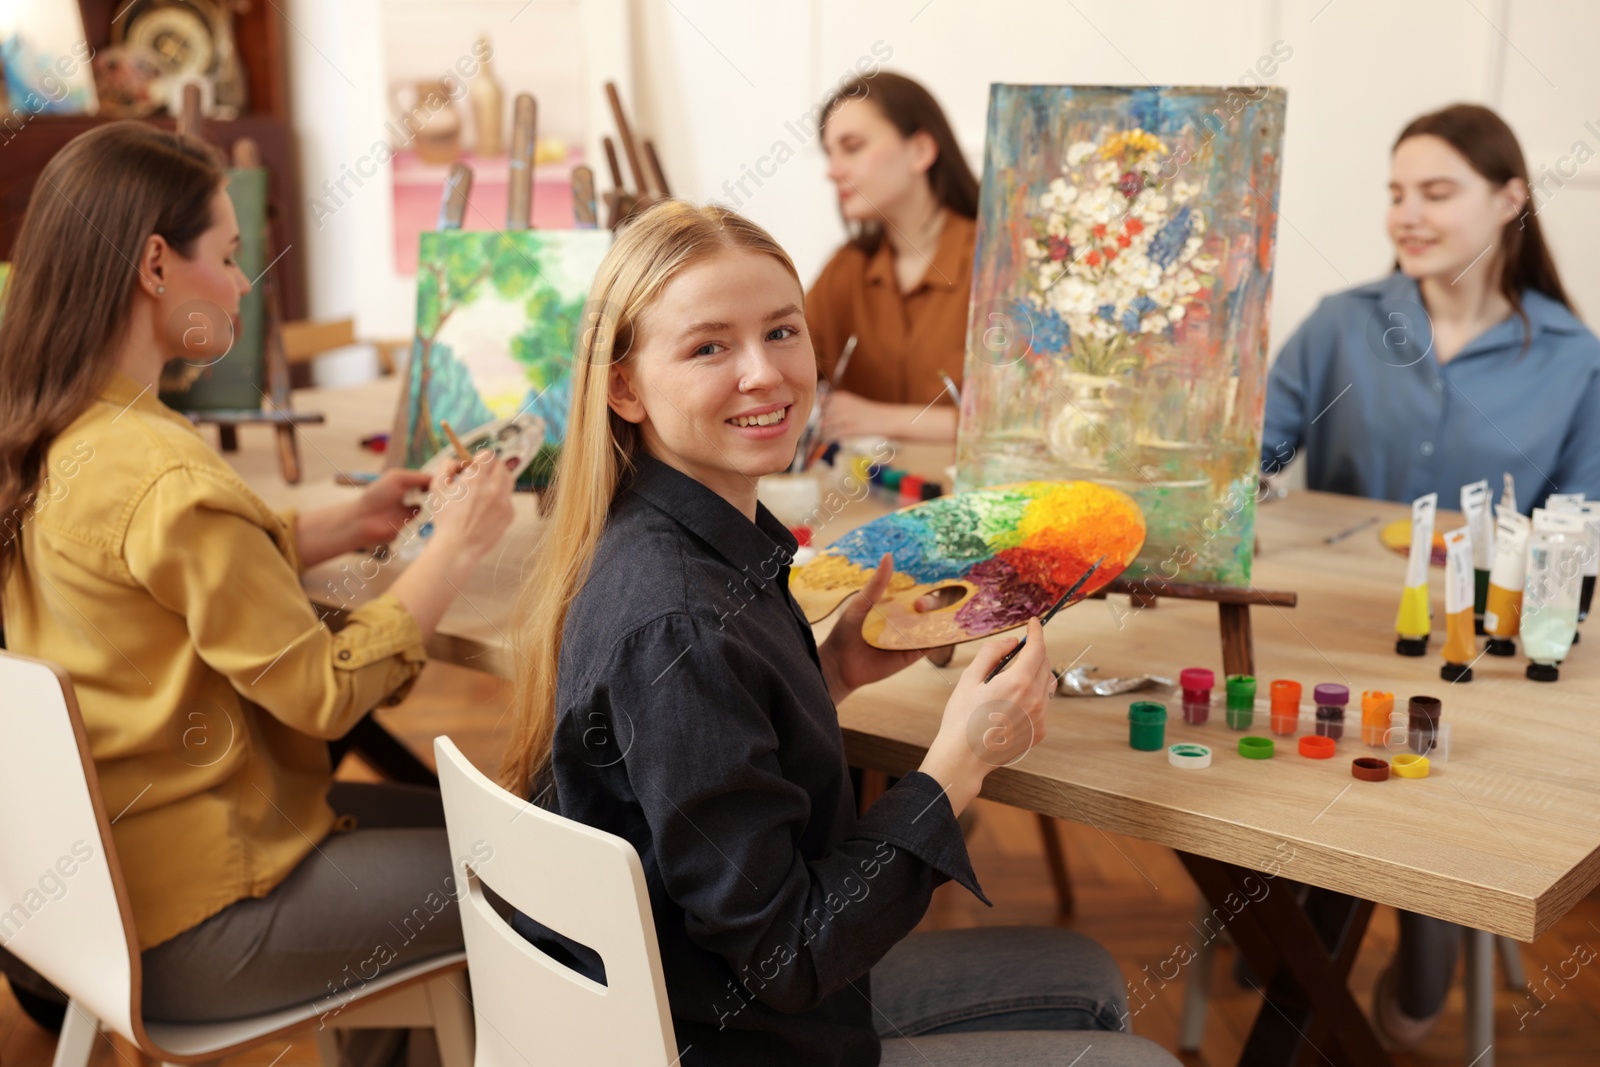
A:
{"points": [[1285, 707], [1377, 711]]}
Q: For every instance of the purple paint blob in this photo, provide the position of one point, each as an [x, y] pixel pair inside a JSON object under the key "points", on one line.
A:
{"points": [[1002, 598]]}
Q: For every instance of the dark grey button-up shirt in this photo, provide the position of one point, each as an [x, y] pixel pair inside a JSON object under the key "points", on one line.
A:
{"points": [[1358, 389], [693, 720]]}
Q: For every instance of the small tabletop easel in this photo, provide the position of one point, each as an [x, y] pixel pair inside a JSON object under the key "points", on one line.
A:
{"points": [[1233, 611]]}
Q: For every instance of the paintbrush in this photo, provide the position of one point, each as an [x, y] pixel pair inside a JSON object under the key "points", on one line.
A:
{"points": [[1044, 620], [1333, 539], [950, 387], [455, 442], [844, 361]]}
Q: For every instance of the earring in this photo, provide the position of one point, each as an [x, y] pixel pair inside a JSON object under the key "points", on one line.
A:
{"points": [[160, 289]]}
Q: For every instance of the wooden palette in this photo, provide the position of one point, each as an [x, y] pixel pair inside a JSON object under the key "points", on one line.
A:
{"points": [[1396, 537], [991, 559]]}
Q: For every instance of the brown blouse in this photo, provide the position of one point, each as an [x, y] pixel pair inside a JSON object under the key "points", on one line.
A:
{"points": [[903, 339]]}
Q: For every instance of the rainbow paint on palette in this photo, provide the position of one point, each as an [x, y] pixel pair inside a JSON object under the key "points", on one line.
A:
{"points": [[995, 558]]}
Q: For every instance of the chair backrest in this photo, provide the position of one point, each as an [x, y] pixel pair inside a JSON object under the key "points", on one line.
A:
{"points": [[585, 884], [62, 900]]}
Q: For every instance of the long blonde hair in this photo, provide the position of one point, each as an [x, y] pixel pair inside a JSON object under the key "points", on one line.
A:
{"points": [[598, 452]]}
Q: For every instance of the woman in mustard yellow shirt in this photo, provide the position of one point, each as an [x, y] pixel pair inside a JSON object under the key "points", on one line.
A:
{"points": [[131, 554]]}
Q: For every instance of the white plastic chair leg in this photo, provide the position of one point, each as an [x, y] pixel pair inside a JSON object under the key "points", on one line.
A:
{"points": [[327, 1046], [1480, 998], [1197, 990], [76, 1043], [1511, 963], [453, 1025]]}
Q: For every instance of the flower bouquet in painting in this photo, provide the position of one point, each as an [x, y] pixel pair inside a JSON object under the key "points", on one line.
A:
{"points": [[1119, 308]]}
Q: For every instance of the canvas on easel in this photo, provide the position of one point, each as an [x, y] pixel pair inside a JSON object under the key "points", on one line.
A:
{"points": [[498, 318], [1118, 326]]}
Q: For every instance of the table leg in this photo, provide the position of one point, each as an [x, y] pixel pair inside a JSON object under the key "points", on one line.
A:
{"points": [[1480, 997], [386, 753], [1309, 1014]]}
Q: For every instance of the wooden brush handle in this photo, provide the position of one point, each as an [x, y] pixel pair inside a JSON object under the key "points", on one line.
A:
{"points": [[584, 215], [519, 199], [453, 203], [629, 146]]}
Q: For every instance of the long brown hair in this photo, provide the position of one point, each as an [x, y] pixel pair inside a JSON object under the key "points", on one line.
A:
{"points": [[598, 452], [69, 299], [911, 109], [1487, 144]]}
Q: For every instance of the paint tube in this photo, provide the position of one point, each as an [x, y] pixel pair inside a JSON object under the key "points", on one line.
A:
{"points": [[1460, 647], [1574, 502], [1415, 620], [1556, 549], [1480, 525], [1591, 559], [1503, 611]]}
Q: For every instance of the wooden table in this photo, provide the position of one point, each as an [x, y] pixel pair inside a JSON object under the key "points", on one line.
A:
{"points": [[1504, 837]]}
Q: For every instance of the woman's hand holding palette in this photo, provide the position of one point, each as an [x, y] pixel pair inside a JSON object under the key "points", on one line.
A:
{"points": [[988, 560]]}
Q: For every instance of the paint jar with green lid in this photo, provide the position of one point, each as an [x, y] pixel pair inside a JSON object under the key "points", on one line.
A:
{"points": [[1241, 701], [1147, 726]]}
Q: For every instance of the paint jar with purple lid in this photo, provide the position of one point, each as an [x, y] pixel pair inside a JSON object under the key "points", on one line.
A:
{"points": [[1196, 683], [1422, 729], [1331, 699]]}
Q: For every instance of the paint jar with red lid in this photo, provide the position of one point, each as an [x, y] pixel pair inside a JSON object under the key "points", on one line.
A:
{"points": [[1196, 683]]}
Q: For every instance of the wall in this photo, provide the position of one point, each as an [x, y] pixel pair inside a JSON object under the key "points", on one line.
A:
{"points": [[725, 86]]}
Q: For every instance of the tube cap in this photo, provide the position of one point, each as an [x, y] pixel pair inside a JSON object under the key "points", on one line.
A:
{"points": [[1370, 769], [1255, 747], [1196, 678], [1316, 746], [1189, 757], [1500, 646], [1331, 694], [1411, 646], [1543, 672], [1410, 765], [1456, 672]]}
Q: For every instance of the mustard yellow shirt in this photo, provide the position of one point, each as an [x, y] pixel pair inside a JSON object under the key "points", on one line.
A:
{"points": [[207, 682]]}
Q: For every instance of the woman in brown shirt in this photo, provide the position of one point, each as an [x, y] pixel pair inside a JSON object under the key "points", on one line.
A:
{"points": [[901, 284]]}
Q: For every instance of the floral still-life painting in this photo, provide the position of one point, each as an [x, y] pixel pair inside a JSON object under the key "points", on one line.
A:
{"points": [[1119, 320], [498, 319]]}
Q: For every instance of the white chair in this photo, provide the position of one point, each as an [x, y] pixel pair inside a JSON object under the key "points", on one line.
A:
{"points": [[589, 885], [67, 914]]}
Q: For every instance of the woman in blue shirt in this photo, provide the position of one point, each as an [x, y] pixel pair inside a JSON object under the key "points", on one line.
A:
{"points": [[1464, 363]]}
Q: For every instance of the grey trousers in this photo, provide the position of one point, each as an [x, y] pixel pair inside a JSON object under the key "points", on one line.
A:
{"points": [[999, 996], [366, 902]]}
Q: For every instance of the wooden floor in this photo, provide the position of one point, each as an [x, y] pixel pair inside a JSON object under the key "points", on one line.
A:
{"points": [[1133, 897]]}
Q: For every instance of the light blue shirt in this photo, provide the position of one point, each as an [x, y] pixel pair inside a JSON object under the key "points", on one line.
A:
{"points": [[1358, 392]]}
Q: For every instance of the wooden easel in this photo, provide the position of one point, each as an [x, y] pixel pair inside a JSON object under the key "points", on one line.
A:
{"points": [[1233, 611], [650, 184]]}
